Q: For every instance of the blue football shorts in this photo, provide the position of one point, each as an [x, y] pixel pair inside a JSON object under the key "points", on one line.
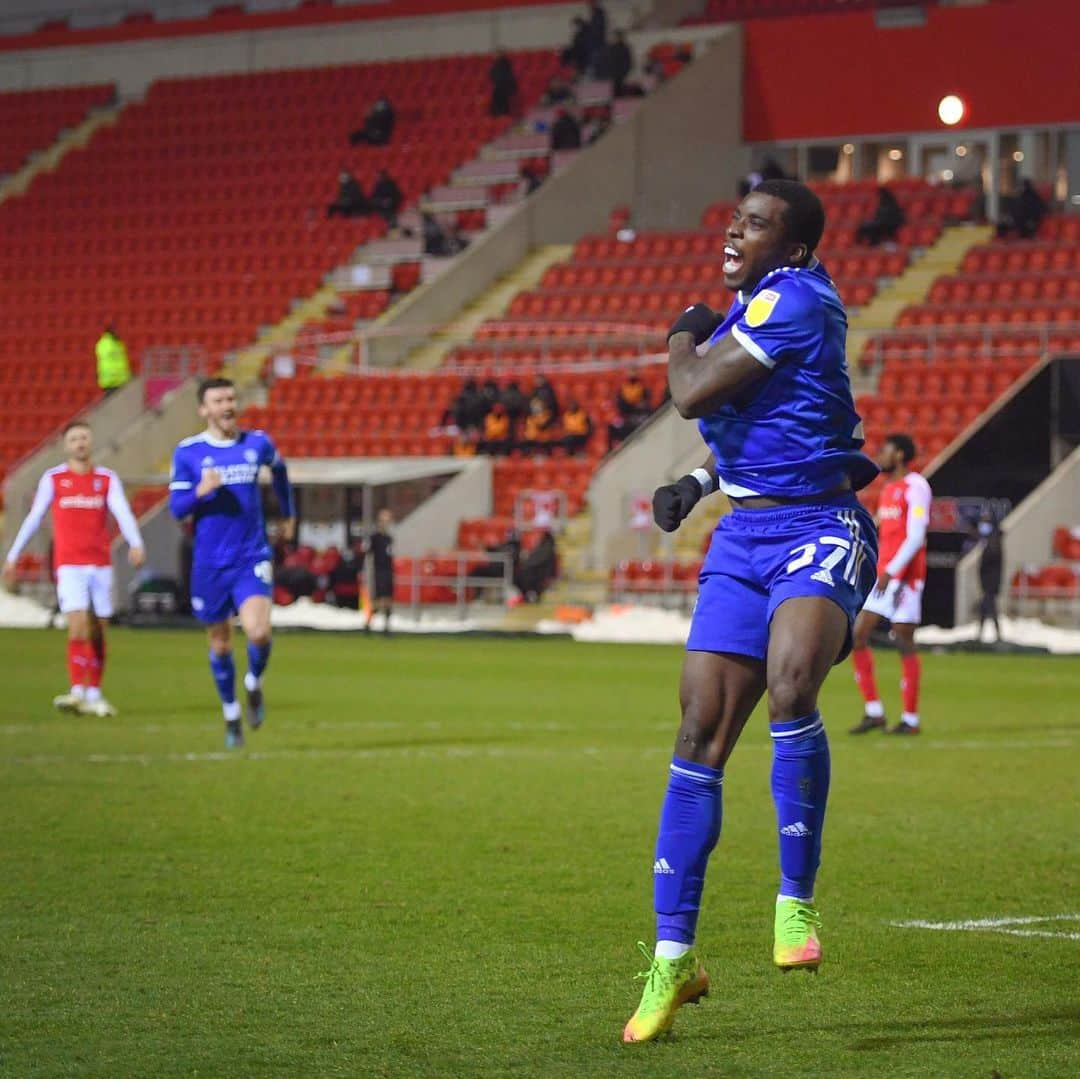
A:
{"points": [[218, 591], [759, 558]]}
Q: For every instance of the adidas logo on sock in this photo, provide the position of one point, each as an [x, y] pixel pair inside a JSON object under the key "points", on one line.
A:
{"points": [[797, 829], [661, 866]]}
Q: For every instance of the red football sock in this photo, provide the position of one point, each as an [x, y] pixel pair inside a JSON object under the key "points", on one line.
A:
{"points": [[79, 655], [863, 661], [909, 682], [96, 659]]}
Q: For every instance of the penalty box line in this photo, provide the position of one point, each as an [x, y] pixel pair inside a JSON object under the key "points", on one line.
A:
{"points": [[1004, 926]]}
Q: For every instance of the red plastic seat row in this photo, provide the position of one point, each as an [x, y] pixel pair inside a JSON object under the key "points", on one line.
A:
{"points": [[1066, 543]]}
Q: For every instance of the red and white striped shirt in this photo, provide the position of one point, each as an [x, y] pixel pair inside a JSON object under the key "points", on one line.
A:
{"points": [[81, 503]]}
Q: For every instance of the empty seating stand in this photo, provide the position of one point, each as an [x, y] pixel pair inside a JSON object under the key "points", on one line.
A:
{"points": [[200, 216]]}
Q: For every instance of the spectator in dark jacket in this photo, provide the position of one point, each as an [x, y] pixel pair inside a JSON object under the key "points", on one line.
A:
{"points": [[565, 132], [386, 197], [378, 125], [468, 407], [991, 565], [350, 200], [544, 392], [503, 85], [576, 54], [620, 63], [538, 569], [887, 221], [514, 401], [1023, 213], [597, 26]]}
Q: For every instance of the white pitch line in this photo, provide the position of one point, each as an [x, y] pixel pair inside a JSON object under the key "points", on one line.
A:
{"points": [[359, 753], [1016, 743], [1005, 926]]}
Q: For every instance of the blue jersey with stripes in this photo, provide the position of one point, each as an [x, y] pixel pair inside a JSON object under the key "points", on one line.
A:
{"points": [[229, 525], [796, 432]]}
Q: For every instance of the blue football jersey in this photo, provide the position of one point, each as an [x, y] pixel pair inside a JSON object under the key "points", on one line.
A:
{"points": [[229, 525], [795, 433]]}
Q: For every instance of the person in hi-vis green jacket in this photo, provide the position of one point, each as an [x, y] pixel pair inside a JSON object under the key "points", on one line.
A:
{"points": [[113, 369]]}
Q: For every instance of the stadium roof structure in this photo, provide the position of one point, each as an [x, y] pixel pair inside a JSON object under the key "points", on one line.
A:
{"points": [[372, 472]]}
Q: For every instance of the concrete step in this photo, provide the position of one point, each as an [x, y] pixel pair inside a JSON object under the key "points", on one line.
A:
{"points": [[18, 182], [911, 287], [491, 304]]}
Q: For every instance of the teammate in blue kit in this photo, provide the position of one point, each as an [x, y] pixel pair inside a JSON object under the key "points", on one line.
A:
{"points": [[215, 479], [787, 571]]}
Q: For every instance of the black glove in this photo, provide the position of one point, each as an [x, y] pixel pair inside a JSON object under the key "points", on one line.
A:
{"points": [[671, 505], [700, 320]]}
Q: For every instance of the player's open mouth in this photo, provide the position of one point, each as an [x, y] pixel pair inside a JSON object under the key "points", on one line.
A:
{"points": [[733, 260]]}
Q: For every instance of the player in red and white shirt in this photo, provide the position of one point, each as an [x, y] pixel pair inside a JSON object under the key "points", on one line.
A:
{"points": [[81, 498], [903, 518]]}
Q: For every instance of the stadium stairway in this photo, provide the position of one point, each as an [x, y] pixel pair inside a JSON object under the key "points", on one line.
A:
{"points": [[491, 304], [19, 182], [247, 364], [912, 286], [50, 157]]}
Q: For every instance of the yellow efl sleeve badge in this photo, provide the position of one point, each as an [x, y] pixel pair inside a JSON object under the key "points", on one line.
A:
{"points": [[761, 307]]}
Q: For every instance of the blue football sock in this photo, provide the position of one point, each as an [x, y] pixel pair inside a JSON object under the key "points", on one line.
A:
{"points": [[800, 789], [689, 829], [224, 671], [258, 658]]}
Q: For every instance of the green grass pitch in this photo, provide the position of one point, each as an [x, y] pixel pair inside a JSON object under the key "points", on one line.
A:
{"points": [[435, 859]]}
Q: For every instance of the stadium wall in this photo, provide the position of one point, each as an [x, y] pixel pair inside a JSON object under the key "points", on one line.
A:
{"points": [[1025, 437], [433, 525], [1026, 532], [661, 452], [133, 65], [831, 75], [663, 162]]}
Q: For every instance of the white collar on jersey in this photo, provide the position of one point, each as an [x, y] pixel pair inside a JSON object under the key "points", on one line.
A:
{"points": [[221, 443], [813, 264]]}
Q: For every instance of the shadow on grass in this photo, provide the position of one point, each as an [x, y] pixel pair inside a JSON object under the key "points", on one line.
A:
{"points": [[976, 1028]]}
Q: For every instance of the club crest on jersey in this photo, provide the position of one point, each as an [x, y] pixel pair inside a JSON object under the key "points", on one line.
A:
{"points": [[250, 456], [761, 307], [207, 462]]}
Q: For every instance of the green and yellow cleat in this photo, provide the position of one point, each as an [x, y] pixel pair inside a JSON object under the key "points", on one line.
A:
{"points": [[669, 984], [795, 941]]}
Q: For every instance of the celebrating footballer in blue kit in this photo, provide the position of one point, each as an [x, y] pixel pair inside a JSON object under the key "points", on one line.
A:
{"points": [[215, 480], [786, 573]]}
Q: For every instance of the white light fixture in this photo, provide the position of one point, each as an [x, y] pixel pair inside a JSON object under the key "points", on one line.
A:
{"points": [[1018, 156], [849, 148], [951, 110], [947, 175], [895, 155], [961, 151]]}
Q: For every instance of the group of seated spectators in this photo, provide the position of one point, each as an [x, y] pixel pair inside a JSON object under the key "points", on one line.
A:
{"points": [[385, 198], [499, 420]]}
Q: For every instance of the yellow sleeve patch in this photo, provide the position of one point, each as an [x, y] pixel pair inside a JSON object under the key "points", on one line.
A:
{"points": [[761, 307], [918, 511]]}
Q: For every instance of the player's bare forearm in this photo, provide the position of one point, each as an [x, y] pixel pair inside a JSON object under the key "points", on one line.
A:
{"points": [[701, 384]]}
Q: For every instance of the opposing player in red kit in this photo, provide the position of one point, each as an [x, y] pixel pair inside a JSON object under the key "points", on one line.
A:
{"points": [[81, 498], [903, 518]]}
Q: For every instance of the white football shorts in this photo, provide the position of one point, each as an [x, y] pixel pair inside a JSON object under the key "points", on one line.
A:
{"points": [[900, 602], [85, 588]]}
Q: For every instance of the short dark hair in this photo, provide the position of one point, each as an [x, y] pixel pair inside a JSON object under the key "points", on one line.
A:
{"points": [[805, 217], [215, 383], [905, 444], [72, 424]]}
